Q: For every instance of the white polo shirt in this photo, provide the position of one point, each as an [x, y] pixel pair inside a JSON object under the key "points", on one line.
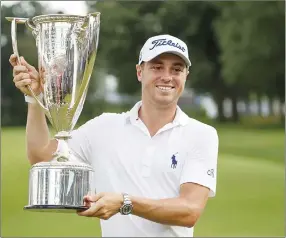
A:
{"points": [[127, 159]]}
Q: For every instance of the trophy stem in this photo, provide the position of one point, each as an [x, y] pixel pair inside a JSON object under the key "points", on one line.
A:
{"points": [[63, 135], [63, 154]]}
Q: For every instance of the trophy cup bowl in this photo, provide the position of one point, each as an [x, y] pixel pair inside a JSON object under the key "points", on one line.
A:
{"points": [[67, 47]]}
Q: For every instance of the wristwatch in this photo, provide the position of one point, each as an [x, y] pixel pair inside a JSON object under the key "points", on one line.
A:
{"points": [[127, 206]]}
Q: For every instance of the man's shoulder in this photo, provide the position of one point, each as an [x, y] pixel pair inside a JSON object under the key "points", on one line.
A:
{"points": [[199, 127], [107, 118], [199, 133]]}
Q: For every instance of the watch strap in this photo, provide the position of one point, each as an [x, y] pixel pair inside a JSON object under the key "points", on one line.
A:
{"points": [[126, 202]]}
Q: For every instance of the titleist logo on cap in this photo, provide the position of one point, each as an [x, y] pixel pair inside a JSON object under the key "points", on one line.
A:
{"points": [[161, 42]]}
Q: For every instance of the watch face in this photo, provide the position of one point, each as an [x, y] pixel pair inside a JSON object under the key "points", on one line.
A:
{"points": [[127, 209]]}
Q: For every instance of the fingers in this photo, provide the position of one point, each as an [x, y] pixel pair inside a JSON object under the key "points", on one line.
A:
{"points": [[89, 199], [92, 201], [87, 202], [102, 213], [13, 60], [93, 198], [94, 208], [21, 76], [22, 80], [19, 69], [102, 205], [25, 63], [23, 83]]}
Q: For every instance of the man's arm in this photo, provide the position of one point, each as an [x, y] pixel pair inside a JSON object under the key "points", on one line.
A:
{"points": [[181, 211], [39, 145]]}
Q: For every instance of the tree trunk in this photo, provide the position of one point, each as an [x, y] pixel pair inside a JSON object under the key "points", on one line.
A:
{"points": [[247, 106], [270, 106], [235, 115], [282, 111], [219, 92], [220, 108], [259, 104]]}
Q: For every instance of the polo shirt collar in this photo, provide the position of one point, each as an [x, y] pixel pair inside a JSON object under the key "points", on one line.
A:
{"points": [[181, 118]]}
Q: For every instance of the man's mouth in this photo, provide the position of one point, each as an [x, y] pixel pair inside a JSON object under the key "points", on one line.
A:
{"points": [[165, 88]]}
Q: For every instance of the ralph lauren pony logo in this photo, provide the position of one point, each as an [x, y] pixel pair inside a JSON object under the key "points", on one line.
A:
{"points": [[161, 42], [174, 161]]}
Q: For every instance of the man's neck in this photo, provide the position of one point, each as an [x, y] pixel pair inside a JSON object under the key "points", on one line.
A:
{"points": [[155, 117]]}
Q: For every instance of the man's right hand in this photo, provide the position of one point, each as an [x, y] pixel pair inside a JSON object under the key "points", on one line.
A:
{"points": [[24, 75]]}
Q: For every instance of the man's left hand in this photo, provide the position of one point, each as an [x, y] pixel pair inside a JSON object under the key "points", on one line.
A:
{"points": [[102, 205]]}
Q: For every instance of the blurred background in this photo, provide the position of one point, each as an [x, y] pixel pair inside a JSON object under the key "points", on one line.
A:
{"points": [[236, 84]]}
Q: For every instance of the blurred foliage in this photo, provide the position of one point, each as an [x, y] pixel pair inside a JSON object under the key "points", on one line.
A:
{"points": [[252, 39], [237, 49], [12, 103]]}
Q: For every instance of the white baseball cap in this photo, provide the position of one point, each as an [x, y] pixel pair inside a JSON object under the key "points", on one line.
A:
{"points": [[160, 44]]}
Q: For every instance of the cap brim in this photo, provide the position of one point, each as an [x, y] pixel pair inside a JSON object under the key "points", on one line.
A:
{"points": [[187, 61]]}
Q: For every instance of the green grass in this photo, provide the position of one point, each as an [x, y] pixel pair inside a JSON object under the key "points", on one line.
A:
{"points": [[256, 144], [249, 201]]}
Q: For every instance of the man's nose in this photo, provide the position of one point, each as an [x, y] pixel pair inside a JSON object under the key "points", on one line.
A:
{"points": [[167, 76]]}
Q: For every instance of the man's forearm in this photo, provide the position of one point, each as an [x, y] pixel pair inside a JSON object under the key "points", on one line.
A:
{"points": [[173, 211], [37, 134]]}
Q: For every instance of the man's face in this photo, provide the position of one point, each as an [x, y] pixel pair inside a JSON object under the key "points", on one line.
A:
{"points": [[163, 79]]}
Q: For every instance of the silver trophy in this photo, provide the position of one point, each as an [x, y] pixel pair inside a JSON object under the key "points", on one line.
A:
{"points": [[67, 47]]}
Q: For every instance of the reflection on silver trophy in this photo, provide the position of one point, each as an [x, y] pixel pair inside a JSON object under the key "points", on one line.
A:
{"points": [[67, 47]]}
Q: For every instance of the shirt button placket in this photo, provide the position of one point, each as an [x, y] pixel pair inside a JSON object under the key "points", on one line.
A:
{"points": [[147, 161]]}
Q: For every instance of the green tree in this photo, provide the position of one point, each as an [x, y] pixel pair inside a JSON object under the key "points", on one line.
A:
{"points": [[251, 36], [12, 103], [122, 34], [237, 48], [126, 25]]}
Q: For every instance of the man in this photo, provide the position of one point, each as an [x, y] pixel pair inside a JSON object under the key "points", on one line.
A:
{"points": [[154, 166]]}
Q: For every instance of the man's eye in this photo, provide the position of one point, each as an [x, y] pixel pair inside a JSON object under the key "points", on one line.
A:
{"points": [[178, 70], [157, 67]]}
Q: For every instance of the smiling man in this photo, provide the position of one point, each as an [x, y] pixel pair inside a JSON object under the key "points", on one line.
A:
{"points": [[152, 164]]}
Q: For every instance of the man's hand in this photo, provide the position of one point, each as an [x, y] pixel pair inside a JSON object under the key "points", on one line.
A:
{"points": [[102, 205], [24, 75]]}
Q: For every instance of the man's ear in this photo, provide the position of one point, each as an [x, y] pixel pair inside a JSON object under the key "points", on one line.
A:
{"points": [[187, 73], [139, 72]]}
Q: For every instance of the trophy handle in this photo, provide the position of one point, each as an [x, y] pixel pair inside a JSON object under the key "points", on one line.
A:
{"points": [[30, 24], [27, 21]]}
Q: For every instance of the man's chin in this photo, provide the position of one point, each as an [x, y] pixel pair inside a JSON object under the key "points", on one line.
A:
{"points": [[165, 101]]}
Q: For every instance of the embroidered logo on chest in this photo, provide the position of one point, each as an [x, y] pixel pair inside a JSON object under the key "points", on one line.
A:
{"points": [[174, 161]]}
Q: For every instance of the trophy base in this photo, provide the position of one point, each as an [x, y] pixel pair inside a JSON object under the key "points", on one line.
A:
{"points": [[55, 208]]}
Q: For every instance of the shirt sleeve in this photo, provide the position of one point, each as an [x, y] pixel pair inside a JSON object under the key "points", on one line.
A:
{"points": [[201, 163]]}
